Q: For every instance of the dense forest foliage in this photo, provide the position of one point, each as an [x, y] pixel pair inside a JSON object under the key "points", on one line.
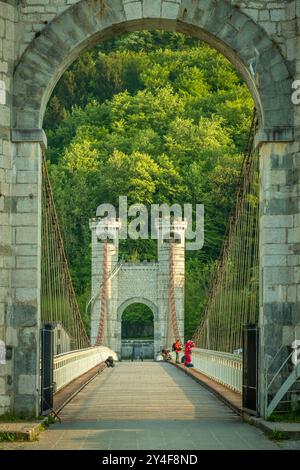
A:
{"points": [[158, 117]]}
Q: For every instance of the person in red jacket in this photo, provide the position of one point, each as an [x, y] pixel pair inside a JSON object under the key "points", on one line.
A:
{"points": [[177, 347], [189, 345]]}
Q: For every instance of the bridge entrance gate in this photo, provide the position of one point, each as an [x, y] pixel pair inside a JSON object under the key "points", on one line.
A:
{"points": [[261, 40]]}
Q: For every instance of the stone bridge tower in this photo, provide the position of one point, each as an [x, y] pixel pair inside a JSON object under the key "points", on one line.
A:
{"points": [[128, 283]]}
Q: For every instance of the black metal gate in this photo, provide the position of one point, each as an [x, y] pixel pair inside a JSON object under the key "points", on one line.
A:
{"points": [[250, 369], [47, 369]]}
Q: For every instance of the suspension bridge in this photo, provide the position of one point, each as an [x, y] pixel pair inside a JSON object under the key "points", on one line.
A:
{"points": [[247, 337], [226, 356]]}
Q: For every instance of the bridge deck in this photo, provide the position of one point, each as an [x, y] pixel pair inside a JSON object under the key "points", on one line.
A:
{"points": [[144, 390], [148, 406]]}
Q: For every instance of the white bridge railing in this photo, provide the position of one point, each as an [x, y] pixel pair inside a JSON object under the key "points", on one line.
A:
{"points": [[224, 368], [71, 365]]}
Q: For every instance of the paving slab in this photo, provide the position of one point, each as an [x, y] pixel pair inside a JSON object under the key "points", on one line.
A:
{"points": [[287, 430]]}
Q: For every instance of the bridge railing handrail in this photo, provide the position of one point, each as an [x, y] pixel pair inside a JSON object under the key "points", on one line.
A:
{"points": [[232, 357], [74, 352], [222, 367]]}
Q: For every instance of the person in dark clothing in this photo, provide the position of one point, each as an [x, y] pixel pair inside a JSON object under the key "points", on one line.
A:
{"points": [[142, 354], [137, 352], [110, 362], [166, 355], [133, 352]]}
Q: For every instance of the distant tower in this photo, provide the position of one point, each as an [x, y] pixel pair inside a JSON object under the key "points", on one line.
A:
{"points": [[171, 236], [105, 252], [117, 285]]}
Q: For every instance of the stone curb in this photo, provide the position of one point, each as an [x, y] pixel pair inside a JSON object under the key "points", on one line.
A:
{"points": [[21, 431], [287, 430]]}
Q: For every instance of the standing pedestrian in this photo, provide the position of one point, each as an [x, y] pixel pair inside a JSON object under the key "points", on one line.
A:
{"points": [[189, 345], [177, 347], [137, 352], [133, 352], [142, 354]]}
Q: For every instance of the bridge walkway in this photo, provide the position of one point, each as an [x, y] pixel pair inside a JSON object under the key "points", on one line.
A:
{"points": [[148, 405]]}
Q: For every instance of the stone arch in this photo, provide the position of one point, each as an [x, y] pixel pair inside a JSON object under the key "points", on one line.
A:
{"points": [[137, 300], [223, 26]]}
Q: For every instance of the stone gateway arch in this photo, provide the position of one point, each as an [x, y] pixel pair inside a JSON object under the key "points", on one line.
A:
{"points": [[144, 282], [39, 40]]}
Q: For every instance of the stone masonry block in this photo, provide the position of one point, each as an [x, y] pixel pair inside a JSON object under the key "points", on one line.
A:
{"points": [[4, 404], [25, 295], [25, 250], [25, 405], [25, 204], [133, 10], [24, 278], [151, 8], [12, 336], [294, 235], [27, 384], [278, 275], [24, 190], [2, 386], [28, 177], [275, 294], [274, 260], [275, 235], [2, 314], [26, 235], [24, 315], [4, 277], [170, 10], [27, 219], [277, 221], [27, 262], [2, 27]]}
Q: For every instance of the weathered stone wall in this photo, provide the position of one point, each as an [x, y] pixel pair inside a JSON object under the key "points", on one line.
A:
{"points": [[34, 15], [280, 230], [8, 18], [20, 186]]}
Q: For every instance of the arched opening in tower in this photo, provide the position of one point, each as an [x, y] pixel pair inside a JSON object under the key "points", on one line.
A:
{"points": [[137, 332]]}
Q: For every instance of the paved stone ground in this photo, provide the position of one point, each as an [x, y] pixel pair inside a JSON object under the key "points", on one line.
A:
{"points": [[147, 406]]}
